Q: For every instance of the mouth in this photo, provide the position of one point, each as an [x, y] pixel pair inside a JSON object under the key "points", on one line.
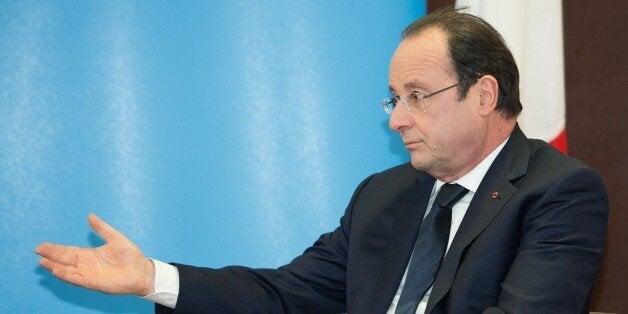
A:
{"points": [[411, 144]]}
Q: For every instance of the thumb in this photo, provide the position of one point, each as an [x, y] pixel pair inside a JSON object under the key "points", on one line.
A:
{"points": [[103, 229]]}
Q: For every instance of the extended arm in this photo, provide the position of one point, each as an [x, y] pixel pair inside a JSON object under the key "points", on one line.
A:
{"points": [[314, 282]]}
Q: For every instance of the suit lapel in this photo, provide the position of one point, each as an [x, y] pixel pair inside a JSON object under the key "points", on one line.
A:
{"points": [[510, 164], [400, 243]]}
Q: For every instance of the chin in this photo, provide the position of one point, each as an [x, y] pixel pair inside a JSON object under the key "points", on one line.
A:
{"points": [[419, 164]]}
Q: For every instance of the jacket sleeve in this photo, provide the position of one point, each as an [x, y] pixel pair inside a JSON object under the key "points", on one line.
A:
{"points": [[314, 282], [561, 248]]}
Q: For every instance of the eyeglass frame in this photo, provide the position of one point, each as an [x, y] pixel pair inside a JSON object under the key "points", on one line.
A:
{"points": [[420, 98]]}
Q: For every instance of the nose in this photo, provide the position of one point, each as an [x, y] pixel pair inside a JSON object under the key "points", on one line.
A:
{"points": [[400, 119]]}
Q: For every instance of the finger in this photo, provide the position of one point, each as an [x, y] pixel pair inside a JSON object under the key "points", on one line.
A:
{"points": [[48, 264], [42, 248], [103, 229], [66, 273], [61, 254], [61, 271], [48, 249]]}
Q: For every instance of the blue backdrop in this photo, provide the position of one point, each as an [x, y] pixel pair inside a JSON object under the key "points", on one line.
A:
{"points": [[211, 133]]}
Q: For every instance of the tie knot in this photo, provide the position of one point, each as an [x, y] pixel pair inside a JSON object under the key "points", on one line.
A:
{"points": [[449, 194]]}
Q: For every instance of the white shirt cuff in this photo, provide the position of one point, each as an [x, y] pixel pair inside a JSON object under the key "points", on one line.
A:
{"points": [[166, 285]]}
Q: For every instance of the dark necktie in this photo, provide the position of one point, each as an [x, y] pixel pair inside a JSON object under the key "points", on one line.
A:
{"points": [[429, 248]]}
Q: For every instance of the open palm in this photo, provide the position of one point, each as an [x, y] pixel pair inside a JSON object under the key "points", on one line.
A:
{"points": [[117, 267]]}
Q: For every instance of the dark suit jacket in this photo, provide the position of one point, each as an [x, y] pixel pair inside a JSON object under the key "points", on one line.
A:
{"points": [[535, 248]]}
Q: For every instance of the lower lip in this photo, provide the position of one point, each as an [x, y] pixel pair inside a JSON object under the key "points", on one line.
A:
{"points": [[411, 146]]}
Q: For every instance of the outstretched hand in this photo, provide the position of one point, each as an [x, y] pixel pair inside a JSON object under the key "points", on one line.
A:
{"points": [[117, 267]]}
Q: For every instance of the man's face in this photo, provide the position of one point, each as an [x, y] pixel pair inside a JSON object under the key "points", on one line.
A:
{"points": [[445, 139]]}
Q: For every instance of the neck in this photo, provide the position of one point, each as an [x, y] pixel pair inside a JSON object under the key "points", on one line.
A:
{"points": [[498, 133], [495, 134]]}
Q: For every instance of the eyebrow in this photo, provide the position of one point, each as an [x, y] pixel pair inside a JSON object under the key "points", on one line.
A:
{"points": [[410, 86], [414, 85]]}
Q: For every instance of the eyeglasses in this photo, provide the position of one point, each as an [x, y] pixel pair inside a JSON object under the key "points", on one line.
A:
{"points": [[416, 101]]}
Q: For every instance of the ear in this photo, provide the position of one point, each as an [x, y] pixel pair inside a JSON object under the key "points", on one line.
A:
{"points": [[489, 91]]}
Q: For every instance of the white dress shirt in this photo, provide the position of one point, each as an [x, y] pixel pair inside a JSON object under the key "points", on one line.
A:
{"points": [[166, 285], [167, 276]]}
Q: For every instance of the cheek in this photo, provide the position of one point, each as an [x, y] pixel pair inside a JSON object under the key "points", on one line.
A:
{"points": [[453, 135], [449, 131]]}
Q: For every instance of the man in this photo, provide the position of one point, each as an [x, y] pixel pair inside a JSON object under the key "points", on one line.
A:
{"points": [[523, 231]]}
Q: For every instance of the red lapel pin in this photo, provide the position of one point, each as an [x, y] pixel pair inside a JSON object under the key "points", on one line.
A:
{"points": [[495, 195]]}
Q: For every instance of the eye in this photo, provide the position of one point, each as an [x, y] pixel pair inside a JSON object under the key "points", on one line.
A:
{"points": [[416, 96], [394, 99]]}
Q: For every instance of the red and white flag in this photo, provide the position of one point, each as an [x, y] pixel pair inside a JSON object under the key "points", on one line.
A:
{"points": [[533, 30]]}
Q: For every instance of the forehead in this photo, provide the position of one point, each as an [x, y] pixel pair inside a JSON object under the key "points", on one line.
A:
{"points": [[422, 60]]}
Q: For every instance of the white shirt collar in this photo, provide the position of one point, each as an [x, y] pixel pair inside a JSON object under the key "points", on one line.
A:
{"points": [[471, 181]]}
